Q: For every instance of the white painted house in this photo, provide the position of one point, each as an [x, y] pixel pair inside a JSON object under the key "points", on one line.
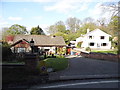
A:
{"points": [[96, 39]]}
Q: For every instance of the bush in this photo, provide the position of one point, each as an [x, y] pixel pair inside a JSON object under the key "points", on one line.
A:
{"points": [[88, 49], [6, 51], [61, 51], [79, 44]]}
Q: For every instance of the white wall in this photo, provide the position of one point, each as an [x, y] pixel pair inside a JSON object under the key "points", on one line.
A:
{"points": [[96, 40]]}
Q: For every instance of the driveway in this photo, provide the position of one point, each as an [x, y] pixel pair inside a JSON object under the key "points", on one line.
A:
{"points": [[80, 67]]}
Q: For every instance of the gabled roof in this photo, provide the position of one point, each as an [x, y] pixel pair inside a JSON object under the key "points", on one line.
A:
{"points": [[41, 40], [19, 41], [95, 31]]}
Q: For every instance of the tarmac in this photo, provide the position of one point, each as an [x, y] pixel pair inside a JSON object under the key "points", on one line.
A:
{"points": [[80, 68]]}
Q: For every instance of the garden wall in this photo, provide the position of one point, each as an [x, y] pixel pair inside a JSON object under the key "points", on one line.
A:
{"points": [[101, 56]]}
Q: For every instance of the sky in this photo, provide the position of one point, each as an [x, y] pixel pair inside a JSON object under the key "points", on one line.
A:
{"points": [[31, 13]]}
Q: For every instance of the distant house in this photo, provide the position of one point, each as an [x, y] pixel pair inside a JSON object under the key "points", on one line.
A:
{"points": [[9, 39], [96, 39], [72, 43], [41, 42]]}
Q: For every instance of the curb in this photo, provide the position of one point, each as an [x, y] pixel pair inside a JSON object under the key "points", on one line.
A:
{"points": [[81, 77]]}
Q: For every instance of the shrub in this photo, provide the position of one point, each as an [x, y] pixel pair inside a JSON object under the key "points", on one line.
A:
{"points": [[61, 51], [88, 49], [79, 44], [6, 51]]}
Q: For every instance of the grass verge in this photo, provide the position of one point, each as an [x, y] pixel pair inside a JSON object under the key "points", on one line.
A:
{"points": [[56, 63], [111, 51]]}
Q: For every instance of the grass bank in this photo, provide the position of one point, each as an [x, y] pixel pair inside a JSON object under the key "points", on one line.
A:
{"points": [[56, 63], [103, 51]]}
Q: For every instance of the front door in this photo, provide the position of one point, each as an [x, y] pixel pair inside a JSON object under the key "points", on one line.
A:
{"points": [[98, 45]]}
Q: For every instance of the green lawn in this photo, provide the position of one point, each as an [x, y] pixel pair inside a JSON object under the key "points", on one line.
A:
{"points": [[57, 63], [109, 51]]}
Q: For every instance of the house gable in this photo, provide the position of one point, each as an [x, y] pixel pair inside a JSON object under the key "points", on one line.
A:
{"points": [[97, 32]]}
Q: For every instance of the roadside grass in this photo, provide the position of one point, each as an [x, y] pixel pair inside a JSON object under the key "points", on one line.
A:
{"points": [[19, 74], [56, 63], [107, 51]]}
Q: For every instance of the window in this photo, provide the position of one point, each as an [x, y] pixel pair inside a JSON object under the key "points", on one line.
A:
{"points": [[102, 37], [91, 44], [21, 50], [104, 44], [90, 37]]}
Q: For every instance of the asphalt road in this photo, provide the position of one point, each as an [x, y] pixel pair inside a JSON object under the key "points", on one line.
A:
{"points": [[84, 67], [98, 83], [79, 68]]}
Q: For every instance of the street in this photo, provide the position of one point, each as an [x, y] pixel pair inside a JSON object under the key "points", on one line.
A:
{"points": [[81, 73], [98, 83], [85, 67]]}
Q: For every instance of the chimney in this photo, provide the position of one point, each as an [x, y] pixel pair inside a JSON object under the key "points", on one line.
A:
{"points": [[88, 30]]}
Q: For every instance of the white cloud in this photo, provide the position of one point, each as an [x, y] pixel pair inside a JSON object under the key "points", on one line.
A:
{"points": [[15, 18], [3, 22], [82, 7], [97, 10], [65, 6], [62, 6]]}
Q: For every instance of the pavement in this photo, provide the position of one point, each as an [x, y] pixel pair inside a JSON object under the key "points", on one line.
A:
{"points": [[86, 68]]}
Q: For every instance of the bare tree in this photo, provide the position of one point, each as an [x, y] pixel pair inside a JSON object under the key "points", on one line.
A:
{"points": [[88, 20], [101, 21], [112, 7], [73, 24]]}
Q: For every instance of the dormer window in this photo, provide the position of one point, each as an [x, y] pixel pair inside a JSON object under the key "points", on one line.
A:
{"points": [[102, 37]]}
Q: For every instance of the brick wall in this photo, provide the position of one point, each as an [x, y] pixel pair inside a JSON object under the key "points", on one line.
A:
{"points": [[101, 56]]}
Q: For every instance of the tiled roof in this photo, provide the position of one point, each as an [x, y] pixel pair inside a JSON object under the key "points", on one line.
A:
{"points": [[42, 40]]}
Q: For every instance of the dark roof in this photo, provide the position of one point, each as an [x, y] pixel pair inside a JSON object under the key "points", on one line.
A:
{"points": [[19, 41], [42, 40]]}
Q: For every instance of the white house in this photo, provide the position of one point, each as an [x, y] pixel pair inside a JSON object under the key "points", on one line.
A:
{"points": [[96, 39]]}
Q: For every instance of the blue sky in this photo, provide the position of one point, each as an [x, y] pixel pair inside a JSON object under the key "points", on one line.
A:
{"points": [[44, 13]]}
